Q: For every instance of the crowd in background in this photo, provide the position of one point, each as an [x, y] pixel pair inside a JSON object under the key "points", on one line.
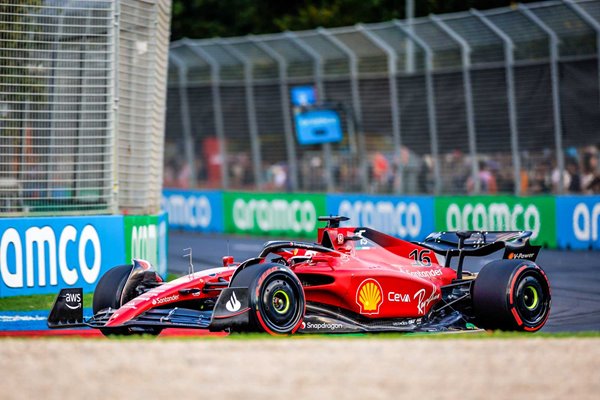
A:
{"points": [[407, 172]]}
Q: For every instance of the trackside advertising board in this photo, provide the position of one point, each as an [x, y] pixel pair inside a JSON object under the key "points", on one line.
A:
{"points": [[41, 255], [577, 220], [536, 214], [200, 211], [556, 221], [408, 218], [284, 215], [146, 238]]}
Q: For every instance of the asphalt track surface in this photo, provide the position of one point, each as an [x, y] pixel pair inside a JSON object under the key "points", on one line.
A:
{"points": [[574, 275]]}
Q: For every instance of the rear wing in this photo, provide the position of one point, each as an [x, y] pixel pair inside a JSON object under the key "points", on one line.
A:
{"points": [[475, 239], [481, 243]]}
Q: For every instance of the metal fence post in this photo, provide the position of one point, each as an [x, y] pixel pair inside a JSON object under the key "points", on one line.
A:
{"points": [[285, 108], [250, 110], [509, 57], [431, 110], [318, 73], [395, 109], [110, 111], [590, 21], [560, 157], [356, 107], [215, 70], [188, 139], [465, 50]]}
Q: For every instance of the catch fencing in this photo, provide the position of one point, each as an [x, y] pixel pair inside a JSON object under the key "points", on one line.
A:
{"points": [[82, 98], [505, 100]]}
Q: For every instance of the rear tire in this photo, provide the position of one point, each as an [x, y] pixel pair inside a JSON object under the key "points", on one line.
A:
{"points": [[511, 295], [276, 298]]}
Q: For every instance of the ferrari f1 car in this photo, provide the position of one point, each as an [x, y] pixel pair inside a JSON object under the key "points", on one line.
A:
{"points": [[350, 280]]}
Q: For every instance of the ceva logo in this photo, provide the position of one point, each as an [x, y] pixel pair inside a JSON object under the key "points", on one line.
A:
{"points": [[44, 239], [497, 216], [585, 222], [400, 219], [192, 211], [278, 214]]}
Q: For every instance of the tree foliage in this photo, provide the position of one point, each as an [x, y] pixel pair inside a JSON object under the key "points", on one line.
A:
{"points": [[209, 18]]}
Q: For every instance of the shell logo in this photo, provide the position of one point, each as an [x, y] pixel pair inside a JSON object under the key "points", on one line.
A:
{"points": [[368, 296]]}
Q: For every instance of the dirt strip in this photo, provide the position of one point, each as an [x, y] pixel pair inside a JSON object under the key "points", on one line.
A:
{"points": [[300, 368]]}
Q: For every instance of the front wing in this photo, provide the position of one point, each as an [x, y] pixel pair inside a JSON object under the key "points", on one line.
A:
{"points": [[67, 312]]}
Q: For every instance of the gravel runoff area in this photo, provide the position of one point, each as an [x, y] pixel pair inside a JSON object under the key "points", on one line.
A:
{"points": [[337, 368]]}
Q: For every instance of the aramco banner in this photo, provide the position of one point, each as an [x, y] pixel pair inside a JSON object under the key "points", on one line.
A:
{"points": [[577, 220], [290, 215], [536, 214], [146, 238], [408, 218], [193, 210], [41, 255]]}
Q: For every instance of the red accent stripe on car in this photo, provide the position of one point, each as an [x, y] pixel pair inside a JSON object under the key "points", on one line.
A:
{"points": [[232, 315]]}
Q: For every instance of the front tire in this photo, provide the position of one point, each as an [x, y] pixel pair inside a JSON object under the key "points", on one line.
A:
{"points": [[511, 295], [110, 288], [108, 295], [276, 298]]}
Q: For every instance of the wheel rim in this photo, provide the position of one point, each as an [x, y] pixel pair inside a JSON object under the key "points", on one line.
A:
{"points": [[532, 299], [280, 303]]}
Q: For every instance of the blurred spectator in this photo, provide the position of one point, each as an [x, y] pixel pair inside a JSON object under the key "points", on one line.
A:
{"points": [[458, 166], [201, 172], [594, 186], [169, 174], [555, 177], [590, 173], [277, 177], [183, 176], [487, 180], [505, 180], [412, 171], [381, 172], [574, 178], [540, 182]]}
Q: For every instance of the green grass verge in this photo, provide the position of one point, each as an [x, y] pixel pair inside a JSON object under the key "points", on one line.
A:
{"points": [[35, 302], [45, 301]]}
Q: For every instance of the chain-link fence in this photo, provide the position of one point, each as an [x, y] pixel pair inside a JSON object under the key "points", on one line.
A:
{"points": [[82, 93], [144, 29], [505, 100]]}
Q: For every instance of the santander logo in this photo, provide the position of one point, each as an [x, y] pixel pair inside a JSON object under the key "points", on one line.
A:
{"points": [[163, 300], [233, 304]]}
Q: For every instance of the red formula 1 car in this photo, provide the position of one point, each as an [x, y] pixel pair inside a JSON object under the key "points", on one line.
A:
{"points": [[351, 280]]}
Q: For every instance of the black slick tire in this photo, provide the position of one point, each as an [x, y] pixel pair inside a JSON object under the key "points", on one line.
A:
{"points": [[511, 295]]}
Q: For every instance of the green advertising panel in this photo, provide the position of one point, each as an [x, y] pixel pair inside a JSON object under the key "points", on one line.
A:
{"points": [[287, 215], [146, 238], [536, 214]]}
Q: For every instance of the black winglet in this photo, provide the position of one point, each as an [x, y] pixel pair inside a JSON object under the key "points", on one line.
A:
{"points": [[67, 311]]}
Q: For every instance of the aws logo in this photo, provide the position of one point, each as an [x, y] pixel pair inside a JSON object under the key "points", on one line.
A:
{"points": [[369, 296]]}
